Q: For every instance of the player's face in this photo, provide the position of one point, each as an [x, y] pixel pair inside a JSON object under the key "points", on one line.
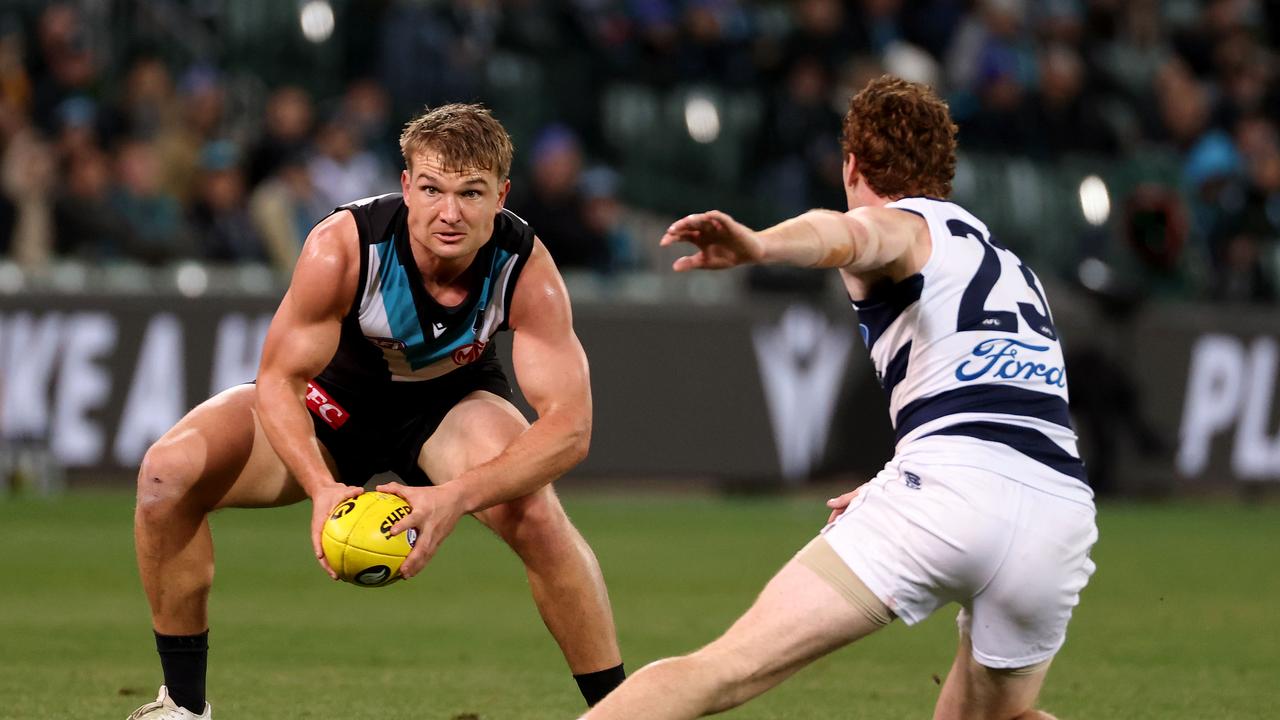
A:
{"points": [[451, 213]]}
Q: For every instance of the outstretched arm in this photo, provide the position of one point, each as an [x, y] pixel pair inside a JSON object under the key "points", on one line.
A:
{"points": [[302, 339], [861, 240]]}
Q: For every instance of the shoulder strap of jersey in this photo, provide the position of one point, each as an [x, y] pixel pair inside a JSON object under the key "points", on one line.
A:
{"points": [[935, 213], [513, 236], [375, 218]]}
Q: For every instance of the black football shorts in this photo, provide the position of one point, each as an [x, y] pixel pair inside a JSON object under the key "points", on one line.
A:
{"points": [[373, 432]]}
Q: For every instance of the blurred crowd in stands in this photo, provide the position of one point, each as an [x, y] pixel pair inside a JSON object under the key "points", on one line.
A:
{"points": [[123, 149]]}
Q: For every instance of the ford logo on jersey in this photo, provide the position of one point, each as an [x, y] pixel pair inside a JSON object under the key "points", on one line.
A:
{"points": [[999, 359]]}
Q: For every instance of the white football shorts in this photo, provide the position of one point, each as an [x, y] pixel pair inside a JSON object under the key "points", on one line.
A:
{"points": [[923, 534]]}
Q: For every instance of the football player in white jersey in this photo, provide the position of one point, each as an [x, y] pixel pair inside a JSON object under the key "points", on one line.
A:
{"points": [[984, 503]]}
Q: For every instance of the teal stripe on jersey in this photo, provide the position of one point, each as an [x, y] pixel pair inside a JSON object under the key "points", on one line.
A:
{"points": [[466, 338], [397, 299]]}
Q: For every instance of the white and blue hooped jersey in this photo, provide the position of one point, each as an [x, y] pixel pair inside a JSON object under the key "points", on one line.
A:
{"points": [[396, 331], [966, 350]]}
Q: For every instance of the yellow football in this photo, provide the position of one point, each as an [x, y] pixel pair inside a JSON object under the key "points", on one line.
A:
{"points": [[357, 539]]}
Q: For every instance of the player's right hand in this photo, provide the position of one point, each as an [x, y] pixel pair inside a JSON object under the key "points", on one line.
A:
{"points": [[323, 500], [840, 503], [722, 242]]}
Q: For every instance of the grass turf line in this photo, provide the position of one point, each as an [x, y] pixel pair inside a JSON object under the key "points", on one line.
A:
{"points": [[1179, 621]]}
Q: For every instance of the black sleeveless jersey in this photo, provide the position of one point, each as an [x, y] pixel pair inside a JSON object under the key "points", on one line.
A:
{"points": [[395, 331]]}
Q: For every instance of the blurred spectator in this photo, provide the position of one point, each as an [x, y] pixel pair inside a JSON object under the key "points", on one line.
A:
{"points": [[799, 159], [1059, 22], [602, 214], [1242, 275], [1258, 139], [1127, 63], [992, 68], [1245, 73], [219, 220], [283, 208], [154, 216], [76, 127], [823, 34], [1151, 84], [1184, 104], [1064, 118], [286, 132], [367, 109], [714, 47], [27, 176], [202, 96], [88, 226], [343, 170], [432, 52], [149, 108], [1246, 235], [553, 204], [658, 40], [990, 43], [1197, 40], [931, 24], [880, 24], [66, 64], [15, 84]]}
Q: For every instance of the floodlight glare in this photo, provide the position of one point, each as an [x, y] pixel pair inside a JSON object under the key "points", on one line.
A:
{"points": [[1095, 201], [702, 119], [316, 18]]}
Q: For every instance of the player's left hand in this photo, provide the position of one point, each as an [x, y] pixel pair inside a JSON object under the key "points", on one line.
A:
{"points": [[840, 503], [436, 511], [722, 242]]}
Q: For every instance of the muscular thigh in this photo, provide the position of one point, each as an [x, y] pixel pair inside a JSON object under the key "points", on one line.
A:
{"points": [[474, 431], [218, 456], [799, 617]]}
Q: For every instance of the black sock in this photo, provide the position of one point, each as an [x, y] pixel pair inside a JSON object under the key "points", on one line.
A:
{"points": [[183, 659], [596, 685]]}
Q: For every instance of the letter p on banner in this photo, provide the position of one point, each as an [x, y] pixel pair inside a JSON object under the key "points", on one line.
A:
{"points": [[1215, 385]]}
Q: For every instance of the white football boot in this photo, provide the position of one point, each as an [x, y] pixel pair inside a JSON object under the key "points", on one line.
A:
{"points": [[165, 709]]}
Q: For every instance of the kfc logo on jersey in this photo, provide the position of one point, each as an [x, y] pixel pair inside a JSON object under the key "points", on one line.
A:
{"points": [[469, 353], [325, 408]]}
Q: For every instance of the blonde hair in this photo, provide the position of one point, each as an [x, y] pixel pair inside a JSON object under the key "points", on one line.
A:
{"points": [[465, 136]]}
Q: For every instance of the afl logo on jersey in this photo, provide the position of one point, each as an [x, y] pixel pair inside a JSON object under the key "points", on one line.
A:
{"points": [[469, 353]]}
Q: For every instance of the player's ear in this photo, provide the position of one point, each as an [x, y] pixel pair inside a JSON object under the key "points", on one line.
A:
{"points": [[850, 170], [404, 182], [504, 188]]}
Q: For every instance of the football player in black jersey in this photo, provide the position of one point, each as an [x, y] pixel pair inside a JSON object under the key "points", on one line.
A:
{"points": [[437, 415]]}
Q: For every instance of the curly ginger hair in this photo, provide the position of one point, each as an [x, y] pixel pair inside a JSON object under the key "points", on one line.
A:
{"points": [[902, 137]]}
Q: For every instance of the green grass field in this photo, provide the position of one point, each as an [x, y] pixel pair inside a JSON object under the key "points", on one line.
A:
{"points": [[1180, 621]]}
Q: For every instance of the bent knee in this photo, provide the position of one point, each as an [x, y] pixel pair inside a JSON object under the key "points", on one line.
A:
{"points": [[532, 523], [732, 677], [165, 477]]}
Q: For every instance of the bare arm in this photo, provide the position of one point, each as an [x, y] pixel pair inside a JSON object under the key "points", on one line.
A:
{"points": [[551, 369], [302, 339], [859, 241]]}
